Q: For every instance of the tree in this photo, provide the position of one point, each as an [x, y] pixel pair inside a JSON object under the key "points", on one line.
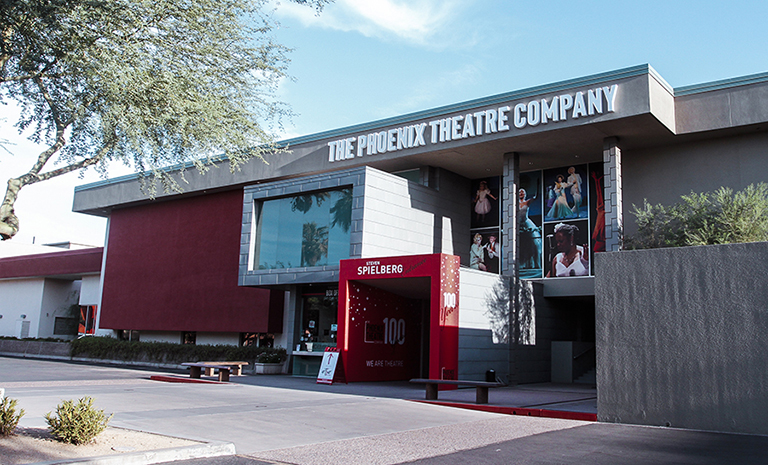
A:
{"points": [[154, 83], [720, 217]]}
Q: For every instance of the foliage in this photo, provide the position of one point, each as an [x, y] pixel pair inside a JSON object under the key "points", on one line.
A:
{"points": [[77, 423], [506, 325], [497, 303], [721, 217], [9, 417], [272, 357], [152, 83], [108, 348]]}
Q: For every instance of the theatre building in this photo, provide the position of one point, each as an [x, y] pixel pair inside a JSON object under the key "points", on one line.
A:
{"points": [[442, 243]]}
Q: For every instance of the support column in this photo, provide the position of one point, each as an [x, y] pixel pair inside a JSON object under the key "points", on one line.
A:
{"points": [[510, 184], [613, 194]]}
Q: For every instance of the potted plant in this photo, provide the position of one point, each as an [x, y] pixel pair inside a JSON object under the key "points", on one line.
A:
{"points": [[270, 362]]}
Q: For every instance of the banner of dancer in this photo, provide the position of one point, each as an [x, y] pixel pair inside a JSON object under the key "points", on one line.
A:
{"points": [[560, 222]]}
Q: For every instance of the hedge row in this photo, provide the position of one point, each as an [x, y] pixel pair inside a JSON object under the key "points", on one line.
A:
{"points": [[108, 348]]}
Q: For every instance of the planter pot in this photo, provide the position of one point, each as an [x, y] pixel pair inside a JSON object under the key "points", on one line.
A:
{"points": [[268, 368]]}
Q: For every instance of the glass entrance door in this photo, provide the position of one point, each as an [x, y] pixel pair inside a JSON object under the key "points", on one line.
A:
{"points": [[319, 316]]}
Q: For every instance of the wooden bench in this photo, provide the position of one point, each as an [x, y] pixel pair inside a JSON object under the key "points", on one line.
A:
{"points": [[195, 369], [481, 387], [236, 368]]}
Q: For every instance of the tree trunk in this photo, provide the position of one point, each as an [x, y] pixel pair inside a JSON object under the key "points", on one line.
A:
{"points": [[9, 223]]}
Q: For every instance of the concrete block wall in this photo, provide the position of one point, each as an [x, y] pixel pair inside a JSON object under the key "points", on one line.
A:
{"points": [[405, 218], [614, 194], [455, 208], [681, 337], [390, 216], [248, 276], [479, 350], [391, 226]]}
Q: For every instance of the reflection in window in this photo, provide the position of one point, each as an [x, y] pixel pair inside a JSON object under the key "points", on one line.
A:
{"points": [[304, 230], [257, 339], [189, 337]]}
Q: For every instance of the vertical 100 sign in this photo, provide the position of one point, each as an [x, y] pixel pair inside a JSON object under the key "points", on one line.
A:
{"points": [[394, 331]]}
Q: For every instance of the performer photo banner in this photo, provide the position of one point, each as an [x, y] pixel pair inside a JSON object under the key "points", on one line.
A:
{"points": [[485, 202], [529, 220], [567, 249], [566, 197]]}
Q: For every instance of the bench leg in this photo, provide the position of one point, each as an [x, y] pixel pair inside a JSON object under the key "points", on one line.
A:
{"points": [[223, 374], [238, 370], [208, 371], [431, 391], [194, 372], [481, 395]]}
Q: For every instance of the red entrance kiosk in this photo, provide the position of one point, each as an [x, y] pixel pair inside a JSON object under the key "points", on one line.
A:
{"points": [[399, 317]]}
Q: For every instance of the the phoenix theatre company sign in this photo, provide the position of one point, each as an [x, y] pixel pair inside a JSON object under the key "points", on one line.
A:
{"points": [[559, 108]]}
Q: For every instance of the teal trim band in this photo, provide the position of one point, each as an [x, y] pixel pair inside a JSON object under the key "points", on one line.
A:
{"points": [[723, 84]]}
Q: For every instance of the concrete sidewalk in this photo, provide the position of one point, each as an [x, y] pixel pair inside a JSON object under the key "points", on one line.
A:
{"points": [[562, 398]]}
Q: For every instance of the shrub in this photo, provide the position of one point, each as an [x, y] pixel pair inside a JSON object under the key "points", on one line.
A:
{"points": [[720, 217], [108, 348], [77, 423], [9, 418], [277, 355]]}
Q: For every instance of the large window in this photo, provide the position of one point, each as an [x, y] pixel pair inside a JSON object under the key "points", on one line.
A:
{"points": [[303, 231]]}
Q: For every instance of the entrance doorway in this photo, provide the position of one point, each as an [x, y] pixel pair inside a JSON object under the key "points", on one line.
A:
{"points": [[318, 321], [398, 317]]}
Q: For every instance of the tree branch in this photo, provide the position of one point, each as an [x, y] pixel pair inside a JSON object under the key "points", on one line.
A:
{"points": [[61, 126], [69, 168]]}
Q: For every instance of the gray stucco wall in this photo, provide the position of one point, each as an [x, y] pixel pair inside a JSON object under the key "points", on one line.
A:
{"points": [[663, 174], [681, 337], [723, 104]]}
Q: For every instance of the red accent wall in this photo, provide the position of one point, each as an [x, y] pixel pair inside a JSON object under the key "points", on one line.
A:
{"points": [[173, 266], [66, 262]]}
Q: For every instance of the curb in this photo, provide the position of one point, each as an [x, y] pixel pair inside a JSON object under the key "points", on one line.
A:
{"points": [[211, 449], [522, 411], [178, 379]]}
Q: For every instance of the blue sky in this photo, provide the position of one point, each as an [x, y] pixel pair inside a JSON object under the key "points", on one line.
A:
{"points": [[352, 68], [364, 60]]}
